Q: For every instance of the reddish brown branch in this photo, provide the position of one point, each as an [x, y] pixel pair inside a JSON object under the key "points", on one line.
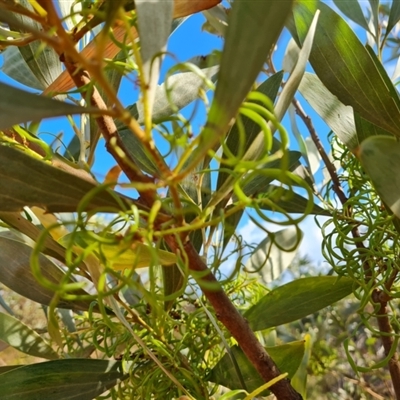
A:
{"points": [[388, 342], [237, 325]]}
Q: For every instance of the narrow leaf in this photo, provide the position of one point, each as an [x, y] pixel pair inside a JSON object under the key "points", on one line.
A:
{"points": [[335, 114], [394, 15], [27, 181], [291, 202], [154, 20], [380, 157], [16, 68], [352, 10], [24, 339], [287, 357], [347, 69], [296, 300], [16, 274], [241, 63], [18, 106], [73, 379], [43, 61], [275, 253]]}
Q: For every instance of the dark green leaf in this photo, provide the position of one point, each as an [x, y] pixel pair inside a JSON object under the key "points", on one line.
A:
{"points": [[296, 300], [24, 339], [347, 69], [73, 379], [18, 106], [259, 23], [394, 15], [380, 157], [366, 129], [27, 181], [287, 357], [335, 114], [16, 274], [352, 10], [292, 202]]}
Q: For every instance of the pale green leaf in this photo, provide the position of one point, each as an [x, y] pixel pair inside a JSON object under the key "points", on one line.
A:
{"points": [[394, 15], [296, 300], [24, 339], [274, 254], [335, 114], [73, 379], [16, 274], [380, 158], [287, 357], [154, 19]]}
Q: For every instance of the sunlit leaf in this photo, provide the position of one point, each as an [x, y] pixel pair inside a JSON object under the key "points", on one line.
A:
{"points": [[275, 253], [335, 114], [154, 20], [296, 300], [287, 357], [45, 186], [126, 255], [16, 274], [23, 338], [299, 380], [73, 379], [347, 68], [18, 106], [380, 158]]}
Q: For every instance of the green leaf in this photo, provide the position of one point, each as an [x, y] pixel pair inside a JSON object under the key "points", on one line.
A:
{"points": [[270, 88], [287, 357], [347, 69], [275, 253], [24, 339], [27, 181], [380, 157], [43, 61], [335, 114], [394, 16], [366, 129], [154, 21], [291, 202], [73, 379], [296, 300], [259, 23], [18, 106], [16, 274], [352, 9], [124, 255], [22, 225], [299, 380], [16, 68]]}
